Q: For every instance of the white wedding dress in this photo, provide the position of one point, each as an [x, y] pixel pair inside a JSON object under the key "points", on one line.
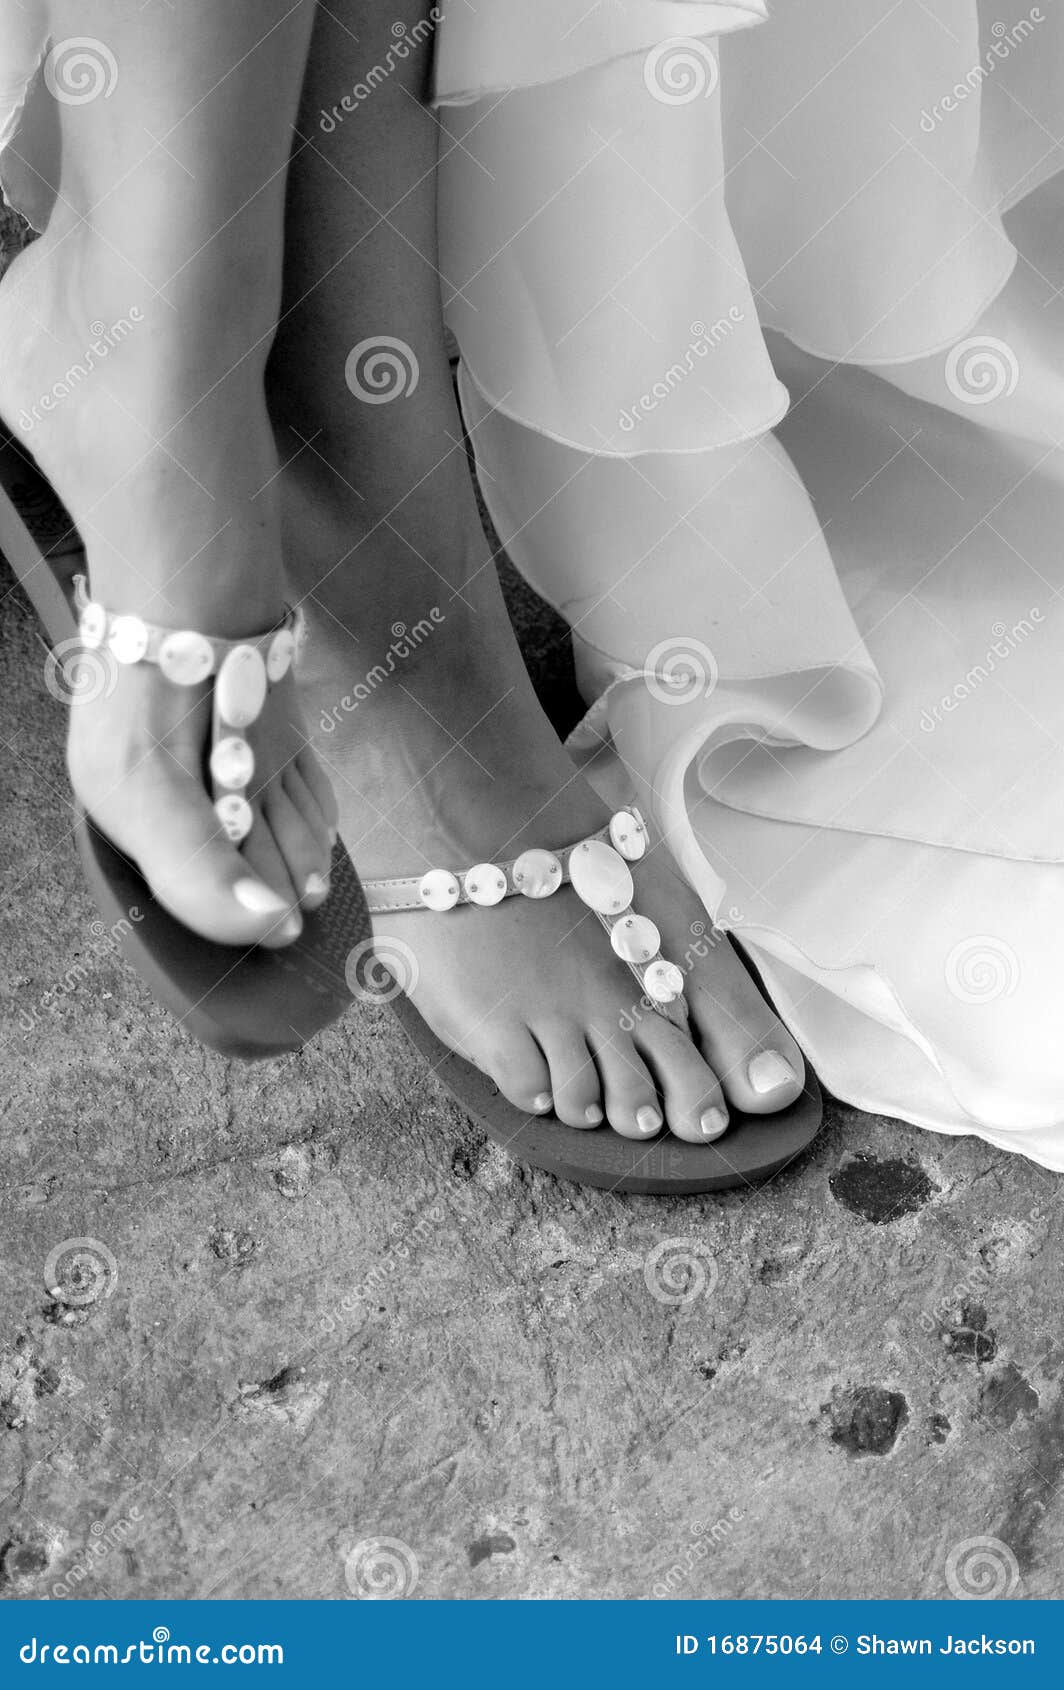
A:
{"points": [[859, 762]]}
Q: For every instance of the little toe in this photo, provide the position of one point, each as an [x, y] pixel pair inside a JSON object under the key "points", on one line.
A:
{"points": [[309, 808], [695, 1106], [319, 786], [630, 1094], [263, 856], [514, 1060], [575, 1082], [305, 853]]}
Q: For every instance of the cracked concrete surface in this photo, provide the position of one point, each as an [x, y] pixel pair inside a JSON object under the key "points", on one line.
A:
{"points": [[315, 1309]]}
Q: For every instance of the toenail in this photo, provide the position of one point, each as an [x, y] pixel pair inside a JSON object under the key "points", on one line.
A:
{"points": [[713, 1123], [768, 1071], [648, 1120], [291, 927], [542, 1102], [258, 898], [316, 885], [593, 1115]]}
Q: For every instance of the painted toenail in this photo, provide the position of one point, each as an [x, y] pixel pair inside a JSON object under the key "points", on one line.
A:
{"points": [[258, 898], [648, 1120], [542, 1103], [713, 1123], [316, 885], [593, 1115], [768, 1071]]}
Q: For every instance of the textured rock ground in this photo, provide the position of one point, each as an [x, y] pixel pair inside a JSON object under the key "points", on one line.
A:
{"points": [[318, 1310]]}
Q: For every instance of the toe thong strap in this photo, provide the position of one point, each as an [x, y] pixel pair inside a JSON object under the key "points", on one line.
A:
{"points": [[597, 870], [242, 672]]}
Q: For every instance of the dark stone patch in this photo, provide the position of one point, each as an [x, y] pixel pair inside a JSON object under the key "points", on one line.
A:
{"points": [[940, 1428], [280, 1382], [968, 1336], [865, 1419], [1006, 1395], [881, 1192], [485, 1547], [21, 1560], [230, 1246]]}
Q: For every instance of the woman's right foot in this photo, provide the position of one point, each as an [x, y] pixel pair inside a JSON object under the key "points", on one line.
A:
{"points": [[150, 422]]}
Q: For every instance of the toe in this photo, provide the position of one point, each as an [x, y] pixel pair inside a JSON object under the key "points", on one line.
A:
{"points": [[759, 1064], [263, 856], [630, 1095], [574, 1077], [695, 1107], [318, 787], [305, 851], [514, 1060]]}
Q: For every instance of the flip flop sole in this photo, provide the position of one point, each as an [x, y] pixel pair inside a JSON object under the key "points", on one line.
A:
{"points": [[754, 1148], [250, 1004]]}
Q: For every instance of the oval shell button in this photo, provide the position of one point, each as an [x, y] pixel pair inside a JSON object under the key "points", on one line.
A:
{"points": [[663, 982], [635, 938], [279, 657], [628, 835], [232, 762], [129, 639], [537, 873], [240, 689], [186, 658], [485, 884], [439, 890], [235, 815], [600, 877], [92, 625]]}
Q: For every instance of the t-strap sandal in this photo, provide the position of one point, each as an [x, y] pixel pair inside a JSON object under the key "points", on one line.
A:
{"points": [[244, 1002], [755, 1146]]}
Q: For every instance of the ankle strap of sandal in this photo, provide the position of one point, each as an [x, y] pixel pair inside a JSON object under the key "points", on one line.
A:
{"points": [[242, 670], [597, 870]]}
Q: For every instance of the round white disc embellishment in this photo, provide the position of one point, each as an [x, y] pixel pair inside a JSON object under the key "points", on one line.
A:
{"points": [[635, 938], [485, 884], [628, 835], [186, 657], [600, 877], [92, 625], [232, 762], [235, 815], [240, 690], [280, 655], [129, 639], [439, 890], [537, 873], [663, 982]]}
